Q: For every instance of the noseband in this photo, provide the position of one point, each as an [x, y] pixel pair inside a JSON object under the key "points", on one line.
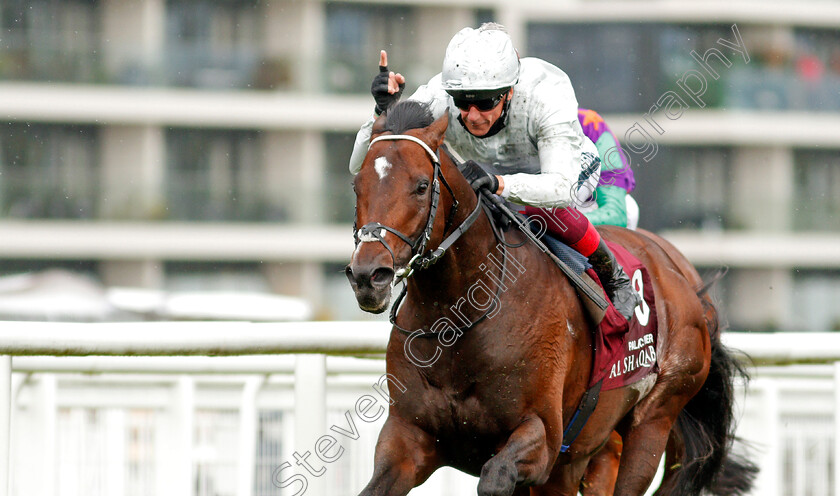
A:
{"points": [[374, 231]]}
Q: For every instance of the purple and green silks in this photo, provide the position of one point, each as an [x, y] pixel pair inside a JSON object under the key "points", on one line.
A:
{"points": [[615, 168]]}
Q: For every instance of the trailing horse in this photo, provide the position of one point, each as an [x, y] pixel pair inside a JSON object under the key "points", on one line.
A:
{"points": [[491, 349]]}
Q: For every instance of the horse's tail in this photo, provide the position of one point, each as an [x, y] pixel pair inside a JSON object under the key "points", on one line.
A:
{"points": [[706, 426]]}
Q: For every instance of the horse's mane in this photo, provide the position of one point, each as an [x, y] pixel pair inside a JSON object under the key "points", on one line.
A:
{"points": [[406, 115]]}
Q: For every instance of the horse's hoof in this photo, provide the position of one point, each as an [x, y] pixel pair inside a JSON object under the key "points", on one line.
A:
{"points": [[498, 482]]}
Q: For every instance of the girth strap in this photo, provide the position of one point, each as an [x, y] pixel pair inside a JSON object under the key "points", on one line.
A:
{"points": [[587, 405]]}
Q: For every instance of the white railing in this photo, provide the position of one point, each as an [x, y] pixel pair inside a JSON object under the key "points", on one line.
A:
{"points": [[84, 348]]}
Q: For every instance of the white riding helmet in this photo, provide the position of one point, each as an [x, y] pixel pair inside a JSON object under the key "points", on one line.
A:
{"points": [[480, 59]]}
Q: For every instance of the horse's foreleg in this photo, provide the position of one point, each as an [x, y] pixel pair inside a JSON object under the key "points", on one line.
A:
{"points": [[405, 458], [524, 459]]}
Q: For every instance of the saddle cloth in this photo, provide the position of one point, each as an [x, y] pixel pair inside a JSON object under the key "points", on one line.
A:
{"points": [[623, 353], [622, 358]]}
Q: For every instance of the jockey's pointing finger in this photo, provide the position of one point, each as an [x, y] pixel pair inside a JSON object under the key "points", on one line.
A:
{"points": [[383, 61]]}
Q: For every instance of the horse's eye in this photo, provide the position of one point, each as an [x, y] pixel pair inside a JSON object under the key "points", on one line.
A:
{"points": [[422, 186]]}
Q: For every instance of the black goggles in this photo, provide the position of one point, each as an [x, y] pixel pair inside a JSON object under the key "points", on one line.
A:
{"points": [[482, 104]]}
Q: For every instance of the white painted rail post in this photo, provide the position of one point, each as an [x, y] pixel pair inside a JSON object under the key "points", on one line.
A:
{"points": [[45, 413], [248, 424], [174, 455], [310, 419], [5, 422], [762, 431], [185, 418]]}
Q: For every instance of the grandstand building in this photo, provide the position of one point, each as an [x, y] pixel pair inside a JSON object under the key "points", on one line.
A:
{"points": [[204, 143]]}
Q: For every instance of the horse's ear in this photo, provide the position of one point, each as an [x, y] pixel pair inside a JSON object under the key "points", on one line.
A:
{"points": [[434, 134], [378, 126]]}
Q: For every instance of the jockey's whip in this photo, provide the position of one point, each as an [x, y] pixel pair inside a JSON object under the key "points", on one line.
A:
{"points": [[577, 280]]}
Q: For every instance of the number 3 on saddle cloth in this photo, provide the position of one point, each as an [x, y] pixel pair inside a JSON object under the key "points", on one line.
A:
{"points": [[622, 358]]}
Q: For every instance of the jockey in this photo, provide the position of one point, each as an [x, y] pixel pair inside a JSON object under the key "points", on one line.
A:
{"points": [[519, 118], [613, 204]]}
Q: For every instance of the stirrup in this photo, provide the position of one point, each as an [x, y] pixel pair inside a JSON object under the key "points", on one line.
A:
{"points": [[616, 283]]}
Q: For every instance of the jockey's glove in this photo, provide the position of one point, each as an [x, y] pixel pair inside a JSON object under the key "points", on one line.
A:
{"points": [[478, 177], [379, 90]]}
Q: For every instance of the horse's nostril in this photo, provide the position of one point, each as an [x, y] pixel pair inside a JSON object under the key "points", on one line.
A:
{"points": [[348, 271], [382, 276]]}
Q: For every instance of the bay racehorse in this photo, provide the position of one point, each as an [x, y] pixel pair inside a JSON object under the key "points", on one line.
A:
{"points": [[491, 347]]}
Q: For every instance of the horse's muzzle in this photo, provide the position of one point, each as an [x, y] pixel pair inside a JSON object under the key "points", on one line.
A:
{"points": [[372, 286]]}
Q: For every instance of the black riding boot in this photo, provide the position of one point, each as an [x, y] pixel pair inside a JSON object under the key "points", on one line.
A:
{"points": [[615, 281]]}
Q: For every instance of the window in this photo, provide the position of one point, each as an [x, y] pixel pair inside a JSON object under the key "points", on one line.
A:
{"points": [[48, 171], [338, 195], [817, 198], [683, 187], [815, 295], [790, 69], [817, 66], [50, 40], [217, 176], [356, 33], [619, 67], [213, 43], [604, 62]]}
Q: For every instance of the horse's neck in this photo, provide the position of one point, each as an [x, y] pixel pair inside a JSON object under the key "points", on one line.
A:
{"points": [[464, 262]]}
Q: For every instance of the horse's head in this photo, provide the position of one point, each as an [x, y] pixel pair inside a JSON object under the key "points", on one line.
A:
{"points": [[397, 195]]}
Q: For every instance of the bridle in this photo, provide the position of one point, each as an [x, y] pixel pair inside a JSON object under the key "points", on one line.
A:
{"points": [[375, 232]]}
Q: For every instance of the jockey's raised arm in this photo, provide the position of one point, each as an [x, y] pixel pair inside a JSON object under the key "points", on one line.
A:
{"points": [[386, 89]]}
